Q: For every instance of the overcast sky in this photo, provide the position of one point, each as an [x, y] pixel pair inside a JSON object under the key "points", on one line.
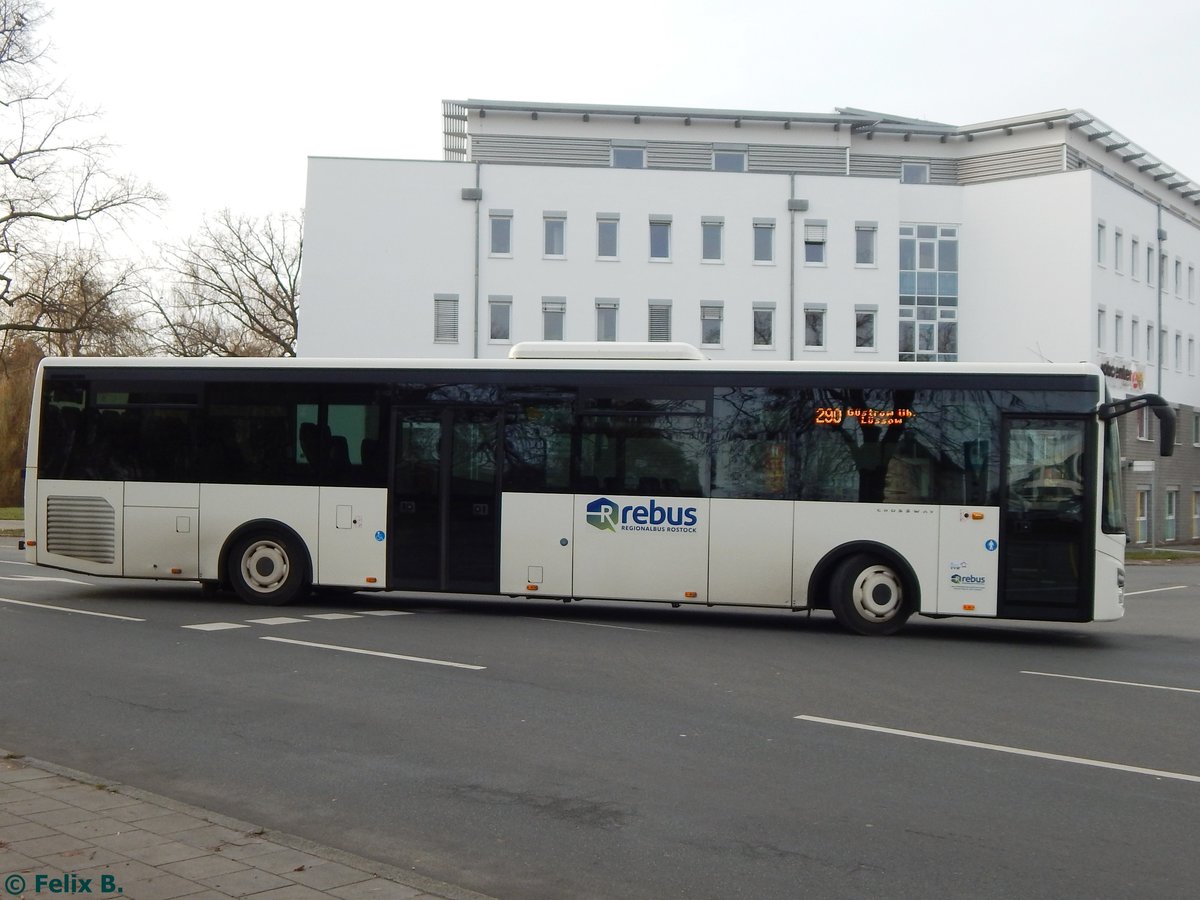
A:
{"points": [[219, 104]]}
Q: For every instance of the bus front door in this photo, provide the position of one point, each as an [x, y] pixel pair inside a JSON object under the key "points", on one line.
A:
{"points": [[1046, 557], [445, 500]]}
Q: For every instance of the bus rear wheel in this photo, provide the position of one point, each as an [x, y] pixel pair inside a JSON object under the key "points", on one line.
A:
{"points": [[869, 596], [267, 568]]}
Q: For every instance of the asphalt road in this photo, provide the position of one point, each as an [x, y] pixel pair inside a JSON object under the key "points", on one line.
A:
{"points": [[542, 750]]}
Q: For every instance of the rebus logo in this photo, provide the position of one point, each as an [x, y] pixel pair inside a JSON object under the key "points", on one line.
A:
{"points": [[602, 514], [606, 515], [968, 579]]}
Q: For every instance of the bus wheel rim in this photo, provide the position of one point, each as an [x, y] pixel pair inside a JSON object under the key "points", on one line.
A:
{"points": [[265, 566], [878, 595]]}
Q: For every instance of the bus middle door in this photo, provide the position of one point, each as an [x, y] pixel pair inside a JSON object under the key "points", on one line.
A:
{"points": [[444, 499]]}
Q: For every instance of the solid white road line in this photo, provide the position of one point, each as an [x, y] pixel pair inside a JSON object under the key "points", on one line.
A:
{"points": [[1000, 748], [1157, 687], [1175, 587], [420, 659], [592, 624], [44, 578], [82, 612]]}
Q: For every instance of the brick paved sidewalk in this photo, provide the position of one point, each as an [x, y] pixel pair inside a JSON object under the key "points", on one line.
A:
{"points": [[57, 824]]}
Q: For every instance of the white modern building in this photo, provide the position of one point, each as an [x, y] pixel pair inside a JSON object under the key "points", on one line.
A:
{"points": [[774, 235]]}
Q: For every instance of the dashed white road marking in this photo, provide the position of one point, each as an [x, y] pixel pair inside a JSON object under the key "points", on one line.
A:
{"points": [[419, 659], [384, 612], [332, 616], [215, 626], [277, 620], [1174, 587], [82, 612], [1000, 748], [1157, 687]]}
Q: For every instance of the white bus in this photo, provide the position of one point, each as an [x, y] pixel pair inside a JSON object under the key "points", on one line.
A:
{"points": [[615, 472]]}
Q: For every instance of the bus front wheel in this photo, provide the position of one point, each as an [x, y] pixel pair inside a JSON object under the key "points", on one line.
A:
{"points": [[267, 568], [868, 596]]}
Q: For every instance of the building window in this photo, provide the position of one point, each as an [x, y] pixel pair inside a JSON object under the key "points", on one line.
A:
{"points": [[710, 324], [1191, 357], [1142, 516], [764, 325], [1162, 348], [1142, 421], [1118, 333], [555, 226], [729, 160], [1118, 251], [764, 240], [660, 320], [501, 222], [1178, 278], [607, 228], [1178, 352], [914, 173], [864, 243], [500, 318], [554, 318], [864, 327], [1135, 333], [628, 156], [1100, 317], [814, 327], [928, 293], [660, 237], [1101, 242], [1134, 256], [1172, 509], [1150, 342], [712, 239], [814, 242], [1196, 430], [1195, 513], [1150, 266], [445, 318], [606, 319], [1191, 290]]}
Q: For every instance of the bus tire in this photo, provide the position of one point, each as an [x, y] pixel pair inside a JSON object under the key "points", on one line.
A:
{"points": [[268, 568], [869, 595]]}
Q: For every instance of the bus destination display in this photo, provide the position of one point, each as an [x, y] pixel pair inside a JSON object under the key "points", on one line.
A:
{"points": [[832, 415]]}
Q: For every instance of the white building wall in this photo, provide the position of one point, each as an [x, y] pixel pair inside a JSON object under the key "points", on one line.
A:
{"points": [[1124, 290], [1025, 277], [382, 237]]}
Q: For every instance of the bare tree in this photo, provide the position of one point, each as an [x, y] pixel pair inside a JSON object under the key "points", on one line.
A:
{"points": [[52, 172], [237, 288], [75, 303]]}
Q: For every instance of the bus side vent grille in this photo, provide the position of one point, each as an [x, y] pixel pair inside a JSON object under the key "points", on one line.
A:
{"points": [[82, 527]]}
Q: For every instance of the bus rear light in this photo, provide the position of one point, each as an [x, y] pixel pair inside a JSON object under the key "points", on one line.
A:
{"points": [[531, 587], [175, 570], [691, 595], [969, 607], [31, 543], [978, 517], [371, 579]]}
